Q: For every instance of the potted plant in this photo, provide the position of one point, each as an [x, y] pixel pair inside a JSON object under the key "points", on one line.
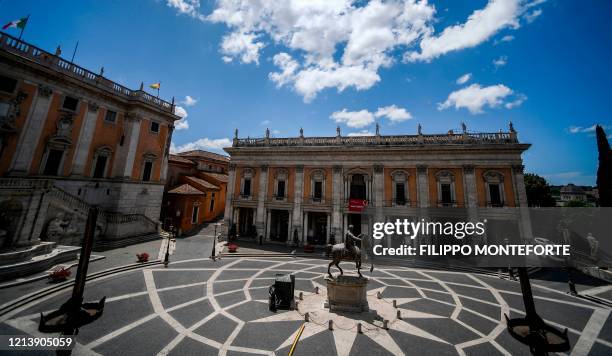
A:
{"points": [[142, 257], [59, 274], [232, 247]]}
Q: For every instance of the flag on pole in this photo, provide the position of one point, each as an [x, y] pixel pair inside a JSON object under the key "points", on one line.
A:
{"points": [[155, 86], [21, 23]]}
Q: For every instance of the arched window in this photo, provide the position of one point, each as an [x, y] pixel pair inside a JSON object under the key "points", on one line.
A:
{"points": [[446, 188], [494, 188], [317, 186], [280, 184], [101, 160], [52, 163], [400, 188]]}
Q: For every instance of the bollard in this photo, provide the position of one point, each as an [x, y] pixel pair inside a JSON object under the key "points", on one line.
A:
{"points": [[386, 324], [301, 296], [306, 317], [316, 290], [359, 328], [399, 314], [394, 303], [331, 325], [379, 295]]}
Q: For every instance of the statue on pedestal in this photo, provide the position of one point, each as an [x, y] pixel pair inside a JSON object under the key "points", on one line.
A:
{"points": [[346, 251]]}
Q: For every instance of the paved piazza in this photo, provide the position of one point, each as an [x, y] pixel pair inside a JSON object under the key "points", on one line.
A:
{"points": [[203, 307]]}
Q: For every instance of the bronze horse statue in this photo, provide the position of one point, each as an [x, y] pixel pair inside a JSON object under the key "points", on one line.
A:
{"points": [[346, 252]]}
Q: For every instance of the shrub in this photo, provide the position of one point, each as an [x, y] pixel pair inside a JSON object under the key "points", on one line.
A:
{"points": [[59, 274]]}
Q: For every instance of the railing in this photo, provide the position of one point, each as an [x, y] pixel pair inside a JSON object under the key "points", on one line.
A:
{"points": [[450, 204], [400, 203], [26, 50], [317, 201], [497, 204], [397, 140]]}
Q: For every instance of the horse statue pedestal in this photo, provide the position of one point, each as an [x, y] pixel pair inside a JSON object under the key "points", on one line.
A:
{"points": [[347, 294]]}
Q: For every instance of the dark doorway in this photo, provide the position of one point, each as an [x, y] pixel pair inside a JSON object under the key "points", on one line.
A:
{"points": [[494, 194], [279, 225], [317, 228], [358, 187], [245, 221], [100, 167], [54, 159]]}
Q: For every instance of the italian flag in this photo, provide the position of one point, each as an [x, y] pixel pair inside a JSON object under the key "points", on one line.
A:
{"points": [[21, 23]]}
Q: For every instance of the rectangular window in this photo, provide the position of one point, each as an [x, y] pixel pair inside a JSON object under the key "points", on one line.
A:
{"points": [[54, 159], [447, 197], [247, 188], [154, 126], [70, 103], [194, 214], [280, 191], [495, 195], [146, 172], [100, 167], [4, 109], [400, 194], [318, 191], [7, 84], [111, 116], [212, 204]]}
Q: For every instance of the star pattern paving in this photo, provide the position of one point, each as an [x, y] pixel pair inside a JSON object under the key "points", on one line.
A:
{"points": [[205, 307]]}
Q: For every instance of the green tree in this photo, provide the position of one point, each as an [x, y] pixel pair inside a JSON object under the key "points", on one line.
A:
{"points": [[576, 204], [538, 191], [604, 171]]}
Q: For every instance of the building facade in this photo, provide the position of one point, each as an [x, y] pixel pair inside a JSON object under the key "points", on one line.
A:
{"points": [[71, 139], [315, 187], [195, 191]]}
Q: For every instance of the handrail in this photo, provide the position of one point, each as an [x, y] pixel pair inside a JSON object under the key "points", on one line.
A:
{"points": [[16, 46]]}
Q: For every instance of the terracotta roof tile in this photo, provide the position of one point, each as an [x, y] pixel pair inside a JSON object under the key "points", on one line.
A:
{"points": [[185, 189], [204, 154], [202, 182], [218, 176], [175, 158]]}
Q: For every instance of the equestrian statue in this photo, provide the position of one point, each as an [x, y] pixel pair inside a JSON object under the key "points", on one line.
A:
{"points": [[347, 251]]}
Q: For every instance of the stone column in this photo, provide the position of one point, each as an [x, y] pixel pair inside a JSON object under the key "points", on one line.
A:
{"points": [[83, 145], [262, 195], [32, 129], [422, 186], [229, 197], [378, 187], [297, 199], [328, 227], [268, 222], [305, 232], [337, 201], [521, 194], [124, 160], [471, 197]]}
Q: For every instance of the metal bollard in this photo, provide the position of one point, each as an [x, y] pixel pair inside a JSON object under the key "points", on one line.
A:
{"points": [[301, 296], [399, 314], [316, 290], [394, 303], [306, 317], [331, 325], [359, 328], [386, 324], [379, 295]]}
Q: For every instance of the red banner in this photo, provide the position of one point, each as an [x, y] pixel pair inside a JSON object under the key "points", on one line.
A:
{"points": [[357, 204]]}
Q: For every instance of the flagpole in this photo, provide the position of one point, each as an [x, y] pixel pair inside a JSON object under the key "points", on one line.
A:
{"points": [[24, 26], [74, 53], [159, 86]]}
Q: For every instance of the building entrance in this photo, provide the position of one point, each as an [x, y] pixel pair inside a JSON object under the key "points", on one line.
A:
{"points": [[245, 221], [317, 228], [279, 225]]}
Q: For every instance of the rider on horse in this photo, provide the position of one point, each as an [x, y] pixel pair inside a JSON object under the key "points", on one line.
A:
{"points": [[349, 241]]}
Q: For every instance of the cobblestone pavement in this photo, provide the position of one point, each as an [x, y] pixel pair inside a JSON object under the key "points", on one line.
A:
{"points": [[197, 306]]}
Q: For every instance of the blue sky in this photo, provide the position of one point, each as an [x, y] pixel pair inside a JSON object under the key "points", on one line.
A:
{"points": [[544, 65]]}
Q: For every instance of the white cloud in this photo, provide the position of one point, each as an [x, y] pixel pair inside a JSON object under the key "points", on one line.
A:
{"points": [[189, 101], [326, 44], [355, 119], [393, 113], [187, 7], [507, 38], [464, 78], [520, 98], [181, 124], [533, 15], [361, 133], [474, 98], [265, 122], [202, 144], [479, 27], [500, 62], [586, 129]]}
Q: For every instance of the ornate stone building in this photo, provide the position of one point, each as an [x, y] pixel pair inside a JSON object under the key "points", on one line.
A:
{"points": [[71, 138], [318, 186]]}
